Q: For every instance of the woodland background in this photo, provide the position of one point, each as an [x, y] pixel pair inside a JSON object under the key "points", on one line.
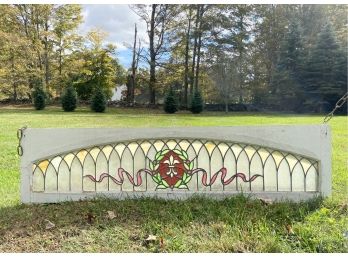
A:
{"points": [[274, 57]]}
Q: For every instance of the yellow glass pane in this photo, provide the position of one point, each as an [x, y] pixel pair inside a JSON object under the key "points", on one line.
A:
{"points": [[223, 148], [250, 151], [236, 150], [158, 145], [133, 147], [69, 158], [197, 145], [210, 147], [107, 150], [119, 148], [43, 165], [94, 152], [278, 157], [264, 154], [82, 155], [305, 164], [292, 160], [56, 162], [184, 144], [145, 146], [171, 144]]}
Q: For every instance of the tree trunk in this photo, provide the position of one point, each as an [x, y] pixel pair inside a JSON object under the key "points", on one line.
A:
{"points": [[192, 77], [47, 67], [14, 84], [200, 14], [185, 102], [132, 80], [60, 70], [152, 57]]}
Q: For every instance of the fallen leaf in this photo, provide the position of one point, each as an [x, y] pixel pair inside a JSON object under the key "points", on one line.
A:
{"points": [[134, 237], [90, 218], [161, 242], [151, 238], [49, 225], [266, 201], [111, 215], [289, 229]]}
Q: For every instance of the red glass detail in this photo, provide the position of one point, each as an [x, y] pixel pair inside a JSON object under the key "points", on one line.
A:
{"points": [[171, 168]]}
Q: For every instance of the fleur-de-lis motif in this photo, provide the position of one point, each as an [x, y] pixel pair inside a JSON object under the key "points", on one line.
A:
{"points": [[171, 165]]}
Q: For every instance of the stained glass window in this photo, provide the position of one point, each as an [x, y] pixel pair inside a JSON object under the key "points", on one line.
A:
{"points": [[175, 164]]}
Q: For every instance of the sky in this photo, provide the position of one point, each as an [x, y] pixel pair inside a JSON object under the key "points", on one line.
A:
{"points": [[118, 21]]}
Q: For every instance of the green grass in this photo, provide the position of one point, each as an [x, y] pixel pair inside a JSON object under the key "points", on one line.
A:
{"points": [[197, 225]]}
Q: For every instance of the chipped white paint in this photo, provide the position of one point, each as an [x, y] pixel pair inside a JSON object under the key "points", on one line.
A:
{"points": [[312, 141]]}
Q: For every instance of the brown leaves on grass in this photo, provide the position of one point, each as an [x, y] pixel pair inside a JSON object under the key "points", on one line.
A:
{"points": [[49, 225], [289, 229], [110, 215], [90, 218]]}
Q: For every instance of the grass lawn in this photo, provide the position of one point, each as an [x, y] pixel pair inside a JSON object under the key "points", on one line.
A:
{"points": [[196, 225]]}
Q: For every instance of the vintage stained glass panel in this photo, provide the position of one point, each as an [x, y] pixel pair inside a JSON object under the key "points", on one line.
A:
{"points": [[175, 164]]}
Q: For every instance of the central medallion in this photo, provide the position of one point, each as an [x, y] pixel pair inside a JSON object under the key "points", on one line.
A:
{"points": [[171, 168]]}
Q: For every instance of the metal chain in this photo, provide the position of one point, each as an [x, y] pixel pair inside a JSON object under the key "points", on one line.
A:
{"points": [[339, 104], [20, 136]]}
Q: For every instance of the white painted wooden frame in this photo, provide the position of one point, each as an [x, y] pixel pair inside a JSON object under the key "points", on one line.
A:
{"points": [[313, 141]]}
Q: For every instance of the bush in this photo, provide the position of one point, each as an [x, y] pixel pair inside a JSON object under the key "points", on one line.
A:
{"points": [[197, 103], [69, 99], [98, 103], [39, 98], [170, 103]]}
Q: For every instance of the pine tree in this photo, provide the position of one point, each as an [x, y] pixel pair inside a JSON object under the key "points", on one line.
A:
{"points": [[69, 99], [39, 98], [326, 72], [288, 81], [170, 103], [197, 102], [98, 103]]}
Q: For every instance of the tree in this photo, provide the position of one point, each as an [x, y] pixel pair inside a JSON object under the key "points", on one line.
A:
{"points": [[67, 18], [326, 73], [99, 68], [69, 99], [98, 103], [199, 20], [158, 18], [288, 84], [187, 56], [197, 102], [170, 103], [131, 79], [225, 76], [39, 97]]}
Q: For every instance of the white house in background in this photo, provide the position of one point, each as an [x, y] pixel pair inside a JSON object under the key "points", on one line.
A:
{"points": [[117, 92]]}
